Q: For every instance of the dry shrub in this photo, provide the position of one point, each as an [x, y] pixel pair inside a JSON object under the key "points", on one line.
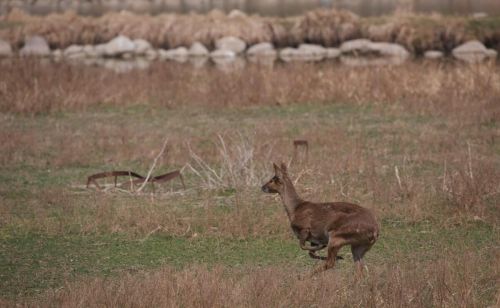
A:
{"points": [[165, 30], [327, 27], [418, 32], [472, 186], [457, 281], [239, 163]]}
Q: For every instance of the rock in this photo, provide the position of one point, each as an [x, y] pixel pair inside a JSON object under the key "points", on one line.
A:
{"points": [[90, 51], [309, 50], [74, 52], [151, 54], [222, 53], [57, 53], [100, 50], [179, 54], [355, 46], [491, 53], [198, 50], [389, 50], [288, 54], [472, 51], [433, 54], [5, 49], [236, 14], [35, 46], [231, 43], [305, 52], [262, 50], [364, 46], [479, 15], [119, 46], [141, 46], [332, 53]]}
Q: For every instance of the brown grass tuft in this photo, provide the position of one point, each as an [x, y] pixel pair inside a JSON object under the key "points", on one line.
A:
{"points": [[459, 281]]}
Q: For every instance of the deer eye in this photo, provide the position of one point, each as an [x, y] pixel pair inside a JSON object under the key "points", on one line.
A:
{"points": [[276, 179]]}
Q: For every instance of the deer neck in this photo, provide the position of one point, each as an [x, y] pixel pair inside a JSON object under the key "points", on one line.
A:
{"points": [[290, 199]]}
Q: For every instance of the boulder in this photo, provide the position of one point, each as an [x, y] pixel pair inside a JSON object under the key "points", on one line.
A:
{"points": [[57, 53], [5, 49], [222, 53], [288, 54], [151, 54], [236, 14], [305, 52], [364, 46], [472, 51], [118, 46], [491, 53], [231, 43], [100, 50], [311, 50], [141, 46], [74, 52], [332, 53], [35, 46], [197, 49], [389, 50], [355, 46], [262, 50], [433, 54], [90, 51], [179, 54]]}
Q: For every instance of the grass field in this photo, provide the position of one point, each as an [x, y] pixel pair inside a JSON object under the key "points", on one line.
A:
{"points": [[428, 168]]}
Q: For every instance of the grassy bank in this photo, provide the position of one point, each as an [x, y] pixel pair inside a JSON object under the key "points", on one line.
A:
{"points": [[417, 32]]}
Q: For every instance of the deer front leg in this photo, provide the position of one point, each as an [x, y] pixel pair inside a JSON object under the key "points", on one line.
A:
{"points": [[303, 236]]}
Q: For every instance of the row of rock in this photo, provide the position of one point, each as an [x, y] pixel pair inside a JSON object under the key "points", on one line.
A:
{"points": [[230, 47]]}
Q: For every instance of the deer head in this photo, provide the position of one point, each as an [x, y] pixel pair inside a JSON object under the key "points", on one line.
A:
{"points": [[276, 185]]}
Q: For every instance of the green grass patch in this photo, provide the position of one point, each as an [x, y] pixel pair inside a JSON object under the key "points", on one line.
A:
{"points": [[31, 263]]}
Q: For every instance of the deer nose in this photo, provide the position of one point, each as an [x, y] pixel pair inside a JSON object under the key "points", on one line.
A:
{"points": [[265, 189]]}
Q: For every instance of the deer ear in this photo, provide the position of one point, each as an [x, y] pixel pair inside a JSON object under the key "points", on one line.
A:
{"points": [[283, 168], [277, 170]]}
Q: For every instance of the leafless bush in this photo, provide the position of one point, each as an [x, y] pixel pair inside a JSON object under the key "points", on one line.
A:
{"points": [[236, 164]]}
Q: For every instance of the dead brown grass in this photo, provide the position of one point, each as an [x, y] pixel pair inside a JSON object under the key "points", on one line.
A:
{"points": [[459, 281], [33, 87], [418, 32]]}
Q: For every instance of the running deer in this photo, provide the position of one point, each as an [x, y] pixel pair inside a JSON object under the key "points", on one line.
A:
{"points": [[325, 225]]}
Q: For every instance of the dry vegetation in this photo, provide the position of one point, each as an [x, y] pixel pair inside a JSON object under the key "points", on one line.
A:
{"points": [[36, 87], [430, 284], [417, 143], [417, 32]]}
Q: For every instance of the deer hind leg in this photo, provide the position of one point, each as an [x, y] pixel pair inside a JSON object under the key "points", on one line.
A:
{"points": [[358, 252], [334, 245]]}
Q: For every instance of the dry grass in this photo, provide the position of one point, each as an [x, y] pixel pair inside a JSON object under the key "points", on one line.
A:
{"points": [[459, 281], [418, 32], [421, 152], [35, 87]]}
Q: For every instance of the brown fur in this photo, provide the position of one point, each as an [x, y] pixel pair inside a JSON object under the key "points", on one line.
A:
{"points": [[325, 225]]}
